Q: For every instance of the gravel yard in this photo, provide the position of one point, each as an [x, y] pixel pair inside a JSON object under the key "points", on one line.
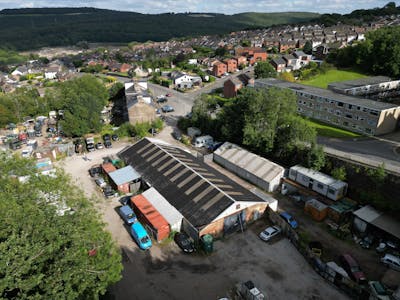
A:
{"points": [[166, 273]]}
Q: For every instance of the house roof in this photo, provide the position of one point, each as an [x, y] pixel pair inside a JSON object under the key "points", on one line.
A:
{"points": [[199, 192], [235, 81], [278, 61], [379, 220], [124, 175], [252, 163], [296, 87]]}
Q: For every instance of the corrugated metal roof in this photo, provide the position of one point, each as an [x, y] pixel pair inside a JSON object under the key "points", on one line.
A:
{"points": [[170, 213], [124, 175], [199, 192], [252, 163], [320, 177], [150, 212]]}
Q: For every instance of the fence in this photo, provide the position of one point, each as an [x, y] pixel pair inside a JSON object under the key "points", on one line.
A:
{"points": [[344, 284]]}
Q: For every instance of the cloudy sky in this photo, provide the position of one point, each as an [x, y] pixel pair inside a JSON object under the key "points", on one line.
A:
{"points": [[221, 6]]}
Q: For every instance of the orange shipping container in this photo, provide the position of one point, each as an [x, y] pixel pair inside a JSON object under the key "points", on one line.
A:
{"points": [[316, 209], [147, 213], [108, 168]]}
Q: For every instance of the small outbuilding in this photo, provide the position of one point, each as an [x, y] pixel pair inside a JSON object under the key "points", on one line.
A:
{"points": [[108, 168], [318, 182], [251, 167], [170, 213], [125, 179], [150, 217]]}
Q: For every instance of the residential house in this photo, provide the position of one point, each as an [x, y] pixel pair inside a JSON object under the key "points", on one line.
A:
{"points": [[20, 71], [279, 64], [184, 81], [124, 68], [304, 59], [292, 62], [231, 65], [287, 45], [138, 104], [241, 60], [51, 72], [219, 69], [232, 86]]}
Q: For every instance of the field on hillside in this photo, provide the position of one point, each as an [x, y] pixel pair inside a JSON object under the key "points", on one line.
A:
{"points": [[334, 75]]}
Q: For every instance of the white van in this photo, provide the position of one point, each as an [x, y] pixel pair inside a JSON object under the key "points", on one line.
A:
{"points": [[203, 141], [391, 261]]}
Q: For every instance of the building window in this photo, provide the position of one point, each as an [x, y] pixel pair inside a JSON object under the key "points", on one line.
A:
{"points": [[331, 191], [340, 104], [350, 106], [320, 186], [349, 116], [373, 112]]}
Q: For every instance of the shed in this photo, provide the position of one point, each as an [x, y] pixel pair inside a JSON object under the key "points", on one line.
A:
{"points": [[150, 217], [316, 209], [251, 167], [341, 210], [368, 216], [125, 179], [108, 168], [170, 213]]}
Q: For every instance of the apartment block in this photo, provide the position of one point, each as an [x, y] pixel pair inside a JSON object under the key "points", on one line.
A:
{"points": [[352, 113]]}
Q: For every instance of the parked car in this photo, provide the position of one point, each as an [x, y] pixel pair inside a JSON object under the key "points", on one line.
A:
{"points": [[162, 100], [352, 268], [99, 145], [168, 95], [391, 261], [140, 236], [109, 192], [115, 137], [127, 214], [107, 141], [269, 233], [94, 171], [176, 135], [183, 241], [167, 108], [100, 182], [378, 291], [289, 219]]}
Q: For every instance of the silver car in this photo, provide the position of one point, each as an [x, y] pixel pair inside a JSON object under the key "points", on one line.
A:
{"points": [[269, 233]]}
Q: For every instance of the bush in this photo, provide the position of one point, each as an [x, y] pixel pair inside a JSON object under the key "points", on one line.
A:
{"points": [[141, 130], [125, 130], [158, 124], [184, 123]]}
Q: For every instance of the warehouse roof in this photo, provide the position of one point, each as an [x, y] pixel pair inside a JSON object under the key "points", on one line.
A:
{"points": [[252, 163], [124, 175], [371, 104], [199, 192]]}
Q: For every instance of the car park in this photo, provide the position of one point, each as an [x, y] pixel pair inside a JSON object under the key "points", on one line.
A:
{"points": [[140, 236], [269, 233], [167, 108], [289, 219], [100, 182], [352, 268], [391, 261], [183, 242], [127, 214]]}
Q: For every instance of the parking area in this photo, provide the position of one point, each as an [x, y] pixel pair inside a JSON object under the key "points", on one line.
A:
{"points": [[164, 272]]}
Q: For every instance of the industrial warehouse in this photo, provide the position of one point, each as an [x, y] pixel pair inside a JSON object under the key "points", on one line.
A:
{"points": [[209, 202]]}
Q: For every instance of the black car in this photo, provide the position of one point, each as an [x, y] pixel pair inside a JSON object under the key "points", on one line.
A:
{"points": [[183, 241], [109, 192], [115, 137], [107, 141], [94, 171]]}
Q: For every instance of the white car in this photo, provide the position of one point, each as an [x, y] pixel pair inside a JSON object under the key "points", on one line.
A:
{"points": [[269, 233], [100, 182]]}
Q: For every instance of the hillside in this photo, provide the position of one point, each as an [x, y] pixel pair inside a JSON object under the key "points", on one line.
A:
{"points": [[67, 26]]}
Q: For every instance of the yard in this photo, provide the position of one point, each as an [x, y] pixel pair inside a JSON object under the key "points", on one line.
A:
{"points": [[333, 75], [330, 131]]}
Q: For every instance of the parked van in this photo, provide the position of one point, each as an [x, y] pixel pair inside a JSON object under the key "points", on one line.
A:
{"points": [[203, 141], [391, 261], [127, 214], [140, 236]]}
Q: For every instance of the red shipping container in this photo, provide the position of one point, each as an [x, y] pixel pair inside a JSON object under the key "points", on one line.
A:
{"points": [[147, 213], [108, 168]]}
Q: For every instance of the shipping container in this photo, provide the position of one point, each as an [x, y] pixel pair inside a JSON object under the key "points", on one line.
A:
{"points": [[108, 168], [316, 209], [150, 217]]}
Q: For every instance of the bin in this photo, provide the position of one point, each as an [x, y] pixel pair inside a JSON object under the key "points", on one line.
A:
{"points": [[207, 243]]}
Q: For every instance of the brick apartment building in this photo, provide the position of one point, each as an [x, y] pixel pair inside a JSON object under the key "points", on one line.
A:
{"points": [[219, 69], [231, 65]]}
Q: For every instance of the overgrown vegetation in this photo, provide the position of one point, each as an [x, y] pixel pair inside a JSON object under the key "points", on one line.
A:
{"points": [[44, 254], [330, 131]]}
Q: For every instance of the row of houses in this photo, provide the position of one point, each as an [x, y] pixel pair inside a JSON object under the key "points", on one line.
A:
{"points": [[290, 62]]}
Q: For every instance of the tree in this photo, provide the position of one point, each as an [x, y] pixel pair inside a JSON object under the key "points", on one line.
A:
{"points": [[264, 69], [307, 47], [315, 157], [45, 254], [339, 173], [287, 76], [82, 100], [221, 51]]}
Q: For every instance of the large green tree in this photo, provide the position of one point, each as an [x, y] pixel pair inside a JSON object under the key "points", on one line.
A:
{"points": [[82, 100], [43, 253], [264, 69]]}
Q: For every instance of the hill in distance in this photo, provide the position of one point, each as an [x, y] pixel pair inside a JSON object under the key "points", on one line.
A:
{"points": [[31, 28]]}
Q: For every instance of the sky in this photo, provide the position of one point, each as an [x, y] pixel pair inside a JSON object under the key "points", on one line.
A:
{"points": [[219, 6]]}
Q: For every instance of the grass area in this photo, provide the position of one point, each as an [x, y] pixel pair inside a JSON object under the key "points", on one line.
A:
{"points": [[330, 131], [333, 75]]}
